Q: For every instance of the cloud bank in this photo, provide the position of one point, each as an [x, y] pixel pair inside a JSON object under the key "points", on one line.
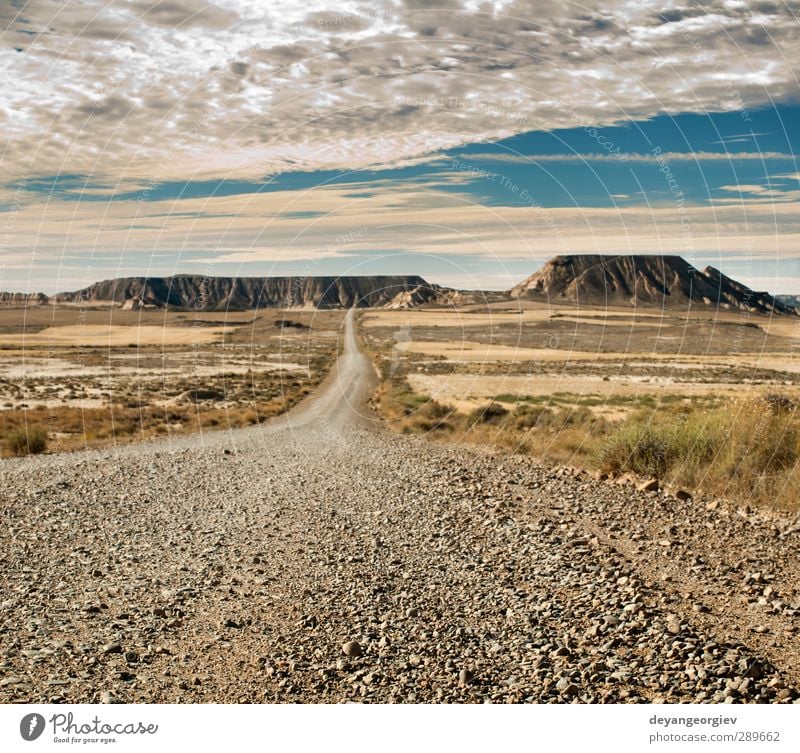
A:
{"points": [[139, 89]]}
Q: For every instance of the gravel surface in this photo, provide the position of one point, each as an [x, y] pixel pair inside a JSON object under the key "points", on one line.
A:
{"points": [[318, 558]]}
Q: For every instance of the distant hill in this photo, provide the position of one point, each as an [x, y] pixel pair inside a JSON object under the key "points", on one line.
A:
{"points": [[664, 281], [591, 280], [201, 293], [789, 300]]}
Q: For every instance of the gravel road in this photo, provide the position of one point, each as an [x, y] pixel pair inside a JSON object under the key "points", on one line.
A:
{"points": [[320, 558]]}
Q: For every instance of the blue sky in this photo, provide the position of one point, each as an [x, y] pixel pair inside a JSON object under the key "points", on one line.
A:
{"points": [[586, 166], [465, 146], [729, 161]]}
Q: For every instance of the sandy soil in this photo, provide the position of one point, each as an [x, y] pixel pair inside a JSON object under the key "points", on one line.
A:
{"points": [[450, 318], [466, 391], [466, 351], [112, 335]]}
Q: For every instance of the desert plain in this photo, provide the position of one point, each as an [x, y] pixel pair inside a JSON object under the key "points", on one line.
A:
{"points": [[509, 503]]}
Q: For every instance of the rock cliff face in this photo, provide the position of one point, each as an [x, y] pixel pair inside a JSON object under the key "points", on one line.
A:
{"points": [[22, 299], [592, 280], [669, 281], [236, 293]]}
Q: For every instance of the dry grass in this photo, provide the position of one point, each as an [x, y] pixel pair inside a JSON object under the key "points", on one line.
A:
{"points": [[678, 396], [26, 440], [564, 433], [76, 428], [749, 450]]}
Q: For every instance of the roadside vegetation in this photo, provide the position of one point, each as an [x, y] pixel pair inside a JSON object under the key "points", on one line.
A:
{"points": [[33, 430], [27, 440], [748, 451]]}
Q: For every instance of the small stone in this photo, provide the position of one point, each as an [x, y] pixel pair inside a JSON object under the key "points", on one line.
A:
{"points": [[465, 677], [112, 648], [131, 657], [673, 625], [567, 688], [651, 485], [352, 649], [624, 479], [755, 670], [682, 495], [229, 623]]}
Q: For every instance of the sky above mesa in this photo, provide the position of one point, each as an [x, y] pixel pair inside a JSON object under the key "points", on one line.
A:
{"points": [[466, 142]]}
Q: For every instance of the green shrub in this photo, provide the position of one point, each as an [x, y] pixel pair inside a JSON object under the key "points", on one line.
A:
{"points": [[779, 403], [637, 448], [530, 416], [27, 440], [434, 410], [488, 414]]}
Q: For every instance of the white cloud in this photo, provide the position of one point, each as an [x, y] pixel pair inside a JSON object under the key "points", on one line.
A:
{"points": [[52, 243], [530, 159], [241, 88], [754, 193]]}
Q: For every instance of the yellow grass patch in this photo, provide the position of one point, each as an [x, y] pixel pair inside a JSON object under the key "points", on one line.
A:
{"points": [[111, 335]]}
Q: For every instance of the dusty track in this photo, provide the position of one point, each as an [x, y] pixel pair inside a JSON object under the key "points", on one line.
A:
{"points": [[233, 566]]}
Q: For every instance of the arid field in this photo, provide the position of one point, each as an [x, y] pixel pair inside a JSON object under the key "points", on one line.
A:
{"points": [[103, 375], [703, 398]]}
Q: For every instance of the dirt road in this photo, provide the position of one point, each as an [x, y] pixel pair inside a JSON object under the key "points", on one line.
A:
{"points": [[320, 558]]}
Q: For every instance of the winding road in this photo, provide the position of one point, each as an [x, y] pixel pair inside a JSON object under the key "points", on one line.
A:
{"points": [[320, 558]]}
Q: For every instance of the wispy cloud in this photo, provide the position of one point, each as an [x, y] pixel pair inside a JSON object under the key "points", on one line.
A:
{"points": [[521, 159], [740, 138]]}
